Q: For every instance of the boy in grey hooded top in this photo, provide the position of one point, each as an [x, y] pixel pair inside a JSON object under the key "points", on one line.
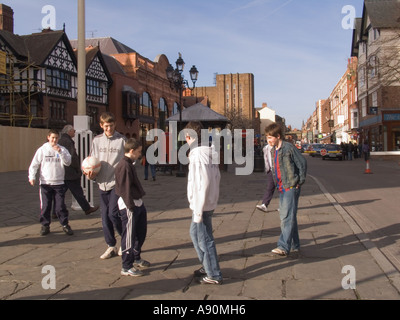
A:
{"points": [[109, 149]]}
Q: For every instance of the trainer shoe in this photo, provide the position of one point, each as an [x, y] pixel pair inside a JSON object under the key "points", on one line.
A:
{"points": [[200, 273], [133, 272], [45, 230], [91, 210], [67, 229], [208, 280], [262, 207], [141, 264], [110, 252], [279, 252]]}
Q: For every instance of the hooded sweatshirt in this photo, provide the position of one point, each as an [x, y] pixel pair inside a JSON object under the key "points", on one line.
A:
{"points": [[203, 181], [127, 184], [51, 165], [109, 150]]}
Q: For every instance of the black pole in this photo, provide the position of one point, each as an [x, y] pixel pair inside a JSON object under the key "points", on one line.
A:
{"points": [[181, 173]]}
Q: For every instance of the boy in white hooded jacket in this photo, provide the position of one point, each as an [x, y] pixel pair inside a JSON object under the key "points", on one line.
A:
{"points": [[203, 194], [51, 159]]}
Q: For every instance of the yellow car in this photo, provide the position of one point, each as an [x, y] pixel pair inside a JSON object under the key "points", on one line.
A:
{"points": [[331, 151]]}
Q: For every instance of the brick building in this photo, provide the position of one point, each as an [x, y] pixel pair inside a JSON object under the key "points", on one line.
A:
{"points": [[376, 45], [141, 97], [233, 93]]}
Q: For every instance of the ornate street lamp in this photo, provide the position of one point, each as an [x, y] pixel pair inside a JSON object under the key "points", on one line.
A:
{"points": [[178, 83]]}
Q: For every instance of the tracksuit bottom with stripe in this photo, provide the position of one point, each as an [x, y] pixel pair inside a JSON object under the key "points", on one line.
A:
{"points": [[48, 193], [134, 231]]}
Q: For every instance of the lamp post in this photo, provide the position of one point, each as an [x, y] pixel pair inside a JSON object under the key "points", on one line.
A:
{"points": [[84, 136], [178, 83]]}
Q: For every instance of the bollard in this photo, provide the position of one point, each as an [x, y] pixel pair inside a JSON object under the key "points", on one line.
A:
{"points": [[368, 169]]}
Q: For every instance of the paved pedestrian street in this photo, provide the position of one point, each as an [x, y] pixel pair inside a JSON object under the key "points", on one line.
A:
{"points": [[60, 267]]}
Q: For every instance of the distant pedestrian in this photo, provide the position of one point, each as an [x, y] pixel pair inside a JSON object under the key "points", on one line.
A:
{"points": [[355, 150], [270, 190], [366, 150], [73, 173], [344, 148], [147, 165], [133, 211], [51, 159], [360, 150], [203, 194], [109, 149], [289, 171], [350, 149]]}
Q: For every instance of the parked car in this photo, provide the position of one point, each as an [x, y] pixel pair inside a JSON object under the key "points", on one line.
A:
{"points": [[304, 147], [333, 151], [315, 149]]}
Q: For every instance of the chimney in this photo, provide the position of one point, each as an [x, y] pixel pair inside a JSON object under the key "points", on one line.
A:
{"points": [[6, 18]]}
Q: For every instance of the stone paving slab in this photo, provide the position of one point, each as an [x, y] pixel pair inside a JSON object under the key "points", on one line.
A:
{"points": [[244, 238]]}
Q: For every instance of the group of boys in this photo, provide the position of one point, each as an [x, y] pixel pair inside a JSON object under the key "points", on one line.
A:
{"points": [[121, 193]]}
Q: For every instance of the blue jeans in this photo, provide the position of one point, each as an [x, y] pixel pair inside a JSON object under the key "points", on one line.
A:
{"points": [[146, 170], [288, 204], [203, 241]]}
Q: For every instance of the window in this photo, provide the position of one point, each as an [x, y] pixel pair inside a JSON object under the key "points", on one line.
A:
{"points": [[364, 107], [34, 108], [58, 79], [94, 88], [375, 99], [354, 119], [175, 109], [146, 106], [362, 77], [92, 113], [57, 110], [162, 113], [373, 109], [130, 103]]}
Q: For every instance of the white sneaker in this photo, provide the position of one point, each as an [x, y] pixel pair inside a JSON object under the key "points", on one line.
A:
{"points": [[132, 272], [120, 252], [110, 252], [262, 207]]}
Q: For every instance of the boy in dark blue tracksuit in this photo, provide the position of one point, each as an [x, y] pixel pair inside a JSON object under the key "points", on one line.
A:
{"points": [[133, 211]]}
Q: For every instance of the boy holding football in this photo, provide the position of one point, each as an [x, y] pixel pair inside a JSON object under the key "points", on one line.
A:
{"points": [[109, 149], [51, 159]]}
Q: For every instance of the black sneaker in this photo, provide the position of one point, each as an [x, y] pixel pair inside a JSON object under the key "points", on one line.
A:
{"points": [[200, 273], [207, 280], [67, 229], [45, 230]]}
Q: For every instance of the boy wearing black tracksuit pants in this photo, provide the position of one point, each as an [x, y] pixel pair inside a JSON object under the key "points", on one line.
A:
{"points": [[50, 160], [133, 211]]}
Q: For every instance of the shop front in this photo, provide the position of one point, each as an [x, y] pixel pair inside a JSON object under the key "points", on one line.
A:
{"points": [[383, 132], [391, 130]]}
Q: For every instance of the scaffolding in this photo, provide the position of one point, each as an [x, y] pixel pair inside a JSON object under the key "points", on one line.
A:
{"points": [[19, 90]]}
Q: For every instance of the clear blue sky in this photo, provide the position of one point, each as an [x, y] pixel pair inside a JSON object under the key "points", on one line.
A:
{"points": [[296, 49]]}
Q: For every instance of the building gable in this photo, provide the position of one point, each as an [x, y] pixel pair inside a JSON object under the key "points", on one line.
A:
{"points": [[96, 70], [60, 58]]}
